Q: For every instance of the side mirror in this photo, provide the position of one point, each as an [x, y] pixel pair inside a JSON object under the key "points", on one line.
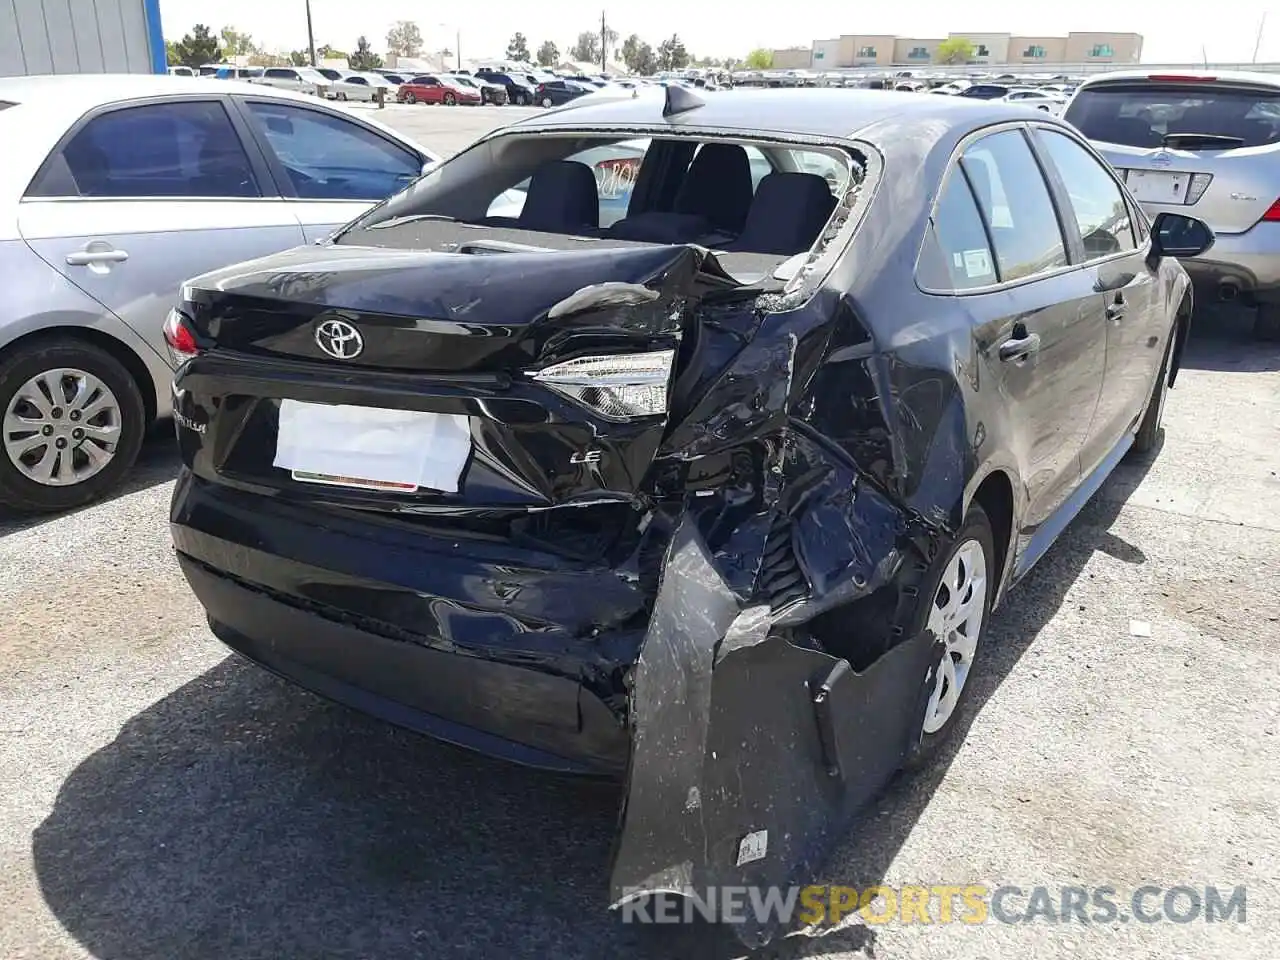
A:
{"points": [[1173, 235]]}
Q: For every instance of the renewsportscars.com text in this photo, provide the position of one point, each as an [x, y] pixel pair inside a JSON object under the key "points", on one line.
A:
{"points": [[947, 903]]}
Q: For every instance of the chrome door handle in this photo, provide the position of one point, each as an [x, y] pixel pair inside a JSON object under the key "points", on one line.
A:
{"points": [[1021, 348], [89, 257]]}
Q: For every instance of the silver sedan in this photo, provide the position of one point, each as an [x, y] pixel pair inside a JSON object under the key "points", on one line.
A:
{"points": [[116, 189]]}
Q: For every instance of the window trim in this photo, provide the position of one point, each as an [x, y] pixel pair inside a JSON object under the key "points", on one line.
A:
{"points": [[280, 176], [266, 182], [1063, 196], [953, 164]]}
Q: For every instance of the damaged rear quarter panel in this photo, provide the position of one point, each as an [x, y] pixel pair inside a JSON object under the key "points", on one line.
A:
{"points": [[844, 428]]}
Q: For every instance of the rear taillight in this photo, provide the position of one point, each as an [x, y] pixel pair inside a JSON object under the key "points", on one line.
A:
{"points": [[1273, 213], [541, 89], [1197, 185], [179, 338], [617, 387]]}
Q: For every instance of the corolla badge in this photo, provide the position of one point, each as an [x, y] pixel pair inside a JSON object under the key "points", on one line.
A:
{"points": [[339, 339]]}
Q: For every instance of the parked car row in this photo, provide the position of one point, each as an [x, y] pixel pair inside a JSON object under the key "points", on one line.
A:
{"points": [[191, 168]]}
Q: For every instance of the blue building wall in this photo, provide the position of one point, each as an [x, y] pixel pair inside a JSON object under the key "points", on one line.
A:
{"points": [[80, 36]]}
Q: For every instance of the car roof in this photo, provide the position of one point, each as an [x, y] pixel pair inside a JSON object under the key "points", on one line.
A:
{"points": [[1229, 76], [47, 106], [802, 112]]}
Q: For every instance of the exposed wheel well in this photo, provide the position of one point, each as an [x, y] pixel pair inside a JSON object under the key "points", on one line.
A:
{"points": [[109, 344], [995, 496]]}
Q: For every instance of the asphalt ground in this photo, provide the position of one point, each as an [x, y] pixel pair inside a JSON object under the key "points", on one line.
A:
{"points": [[160, 799]]}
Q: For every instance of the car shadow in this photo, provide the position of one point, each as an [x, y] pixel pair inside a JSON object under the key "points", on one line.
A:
{"points": [[241, 817], [158, 462], [1222, 340]]}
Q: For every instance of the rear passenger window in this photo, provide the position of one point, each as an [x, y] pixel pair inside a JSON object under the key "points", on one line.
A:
{"points": [[160, 150], [1096, 201], [1014, 200], [956, 254]]}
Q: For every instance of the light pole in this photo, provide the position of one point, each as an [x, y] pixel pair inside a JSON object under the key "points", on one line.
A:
{"points": [[457, 43], [311, 36]]}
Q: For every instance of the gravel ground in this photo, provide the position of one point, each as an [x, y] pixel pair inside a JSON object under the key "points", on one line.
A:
{"points": [[160, 799]]}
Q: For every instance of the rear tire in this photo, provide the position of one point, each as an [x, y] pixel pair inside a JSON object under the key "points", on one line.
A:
{"points": [[1151, 429], [1266, 322], [450, 100], [410, 98], [547, 102], [962, 577], [20, 491]]}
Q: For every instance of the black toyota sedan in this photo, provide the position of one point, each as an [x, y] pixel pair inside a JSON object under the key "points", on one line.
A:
{"points": [[718, 498]]}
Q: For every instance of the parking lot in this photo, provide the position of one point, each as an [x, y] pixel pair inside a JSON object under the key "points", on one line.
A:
{"points": [[162, 799]]}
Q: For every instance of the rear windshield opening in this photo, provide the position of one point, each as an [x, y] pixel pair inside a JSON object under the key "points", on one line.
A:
{"points": [[1146, 115], [732, 196]]}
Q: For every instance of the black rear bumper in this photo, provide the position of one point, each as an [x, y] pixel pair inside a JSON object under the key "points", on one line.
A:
{"points": [[396, 627]]}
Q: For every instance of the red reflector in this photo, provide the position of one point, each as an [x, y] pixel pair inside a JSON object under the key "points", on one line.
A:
{"points": [[1273, 213], [1180, 78], [179, 336]]}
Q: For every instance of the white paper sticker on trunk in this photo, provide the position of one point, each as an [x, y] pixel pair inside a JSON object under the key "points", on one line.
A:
{"points": [[370, 446], [753, 847]]}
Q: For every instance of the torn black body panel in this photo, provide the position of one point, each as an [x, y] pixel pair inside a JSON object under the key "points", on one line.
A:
{"points": [[739, 732]]}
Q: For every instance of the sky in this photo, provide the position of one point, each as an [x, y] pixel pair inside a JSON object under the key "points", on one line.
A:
{"points": [[1172, 33]]}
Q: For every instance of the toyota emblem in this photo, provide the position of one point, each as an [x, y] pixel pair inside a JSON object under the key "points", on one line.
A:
{"points": [[339, 339]]}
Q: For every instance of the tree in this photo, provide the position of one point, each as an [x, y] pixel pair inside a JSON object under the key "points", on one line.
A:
{"points": [[672, 55], [198, 47], [237, 44], [548, 54], [404, 39], [759, 59], [610, 43], [518, 48], [954, 50], [260, 59], [630, 50], [300, 58], [364, 58], [587, 47], [646, 61], [171, 54], [327, 52]]}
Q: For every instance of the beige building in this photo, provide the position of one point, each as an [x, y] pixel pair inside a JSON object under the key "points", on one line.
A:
{"points": [[1103, 48], [880, 50], [1037, 50], [915, 50], [793, 58]]}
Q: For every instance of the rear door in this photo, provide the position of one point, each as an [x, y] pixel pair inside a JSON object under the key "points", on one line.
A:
{"points": [[1137, 325], [996, 242], [138, 198], [330, 167], [1197, 146]]}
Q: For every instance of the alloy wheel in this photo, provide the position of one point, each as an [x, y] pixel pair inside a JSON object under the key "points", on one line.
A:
{"points": [[62, 427], [956, 618]]}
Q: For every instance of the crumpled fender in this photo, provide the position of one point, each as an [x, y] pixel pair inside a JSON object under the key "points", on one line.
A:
{"points": [[779, 686], [739, 733]]}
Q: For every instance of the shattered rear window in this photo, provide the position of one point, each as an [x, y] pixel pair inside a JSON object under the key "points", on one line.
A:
{"points": [[731, 196]]}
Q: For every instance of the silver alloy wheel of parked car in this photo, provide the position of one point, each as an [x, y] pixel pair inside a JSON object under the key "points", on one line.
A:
{"points": [[956, 618], [62, 427], [547, 102]]}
